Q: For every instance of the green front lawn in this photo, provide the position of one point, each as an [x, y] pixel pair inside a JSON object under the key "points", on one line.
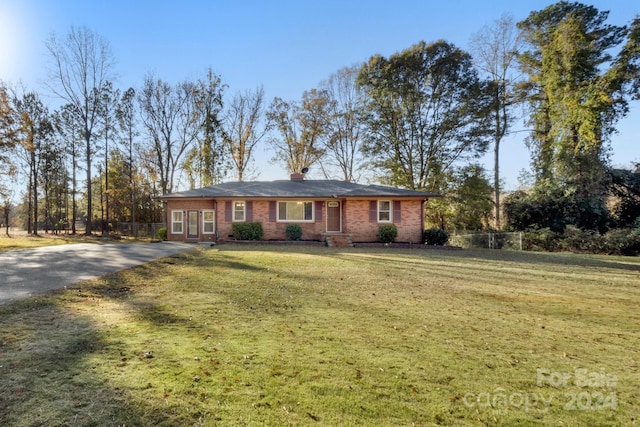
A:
{"points": [[22, 241], [279, 335]]}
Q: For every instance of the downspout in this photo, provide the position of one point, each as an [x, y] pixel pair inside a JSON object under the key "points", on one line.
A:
{"points": [[422, 223]]}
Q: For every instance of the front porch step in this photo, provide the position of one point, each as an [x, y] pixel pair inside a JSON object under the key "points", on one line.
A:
{"points": [[339, 240]]}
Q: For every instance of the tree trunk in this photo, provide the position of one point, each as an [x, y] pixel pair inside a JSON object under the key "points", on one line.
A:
{"points": [[496, 181], [89, 192]]}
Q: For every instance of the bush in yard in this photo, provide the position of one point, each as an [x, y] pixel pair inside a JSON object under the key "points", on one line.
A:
{"points": [[577, 240], [623, 241], [435, 236], [543, 239], [161, 234], [294, 232], [247, 230], [387, 233]]}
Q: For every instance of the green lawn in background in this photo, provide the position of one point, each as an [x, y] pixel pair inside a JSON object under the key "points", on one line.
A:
{"points": [[297, 335], [22, 241]]}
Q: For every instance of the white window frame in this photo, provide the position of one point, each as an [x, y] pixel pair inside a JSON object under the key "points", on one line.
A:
{"points": [[212, 221], [234, 211], [287, 219], [175, 222], [388, 211]]}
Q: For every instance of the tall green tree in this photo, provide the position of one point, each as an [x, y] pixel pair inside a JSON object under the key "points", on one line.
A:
{"points": [[426, 110], [495, 48], [471, 199], [303, 128], [575, 95], [82, 62], [627, 66]]}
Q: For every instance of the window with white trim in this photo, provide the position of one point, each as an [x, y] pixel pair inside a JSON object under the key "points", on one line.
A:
{"points": [[384, 211], [208, 222], [295, 211], [176, 222], [239, 211]]}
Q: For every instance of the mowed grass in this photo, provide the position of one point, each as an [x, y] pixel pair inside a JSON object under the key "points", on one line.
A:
{"points": [[278, 335], [22, 241]]}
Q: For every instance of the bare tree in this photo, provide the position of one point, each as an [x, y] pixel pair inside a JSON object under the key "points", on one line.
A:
{"points": [[82, 64], [302, 128], [244, 128], [495, 49], [168, 116], [344, 127]]}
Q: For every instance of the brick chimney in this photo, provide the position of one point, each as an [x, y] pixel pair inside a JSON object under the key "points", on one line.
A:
{"points": [[297, 177]]}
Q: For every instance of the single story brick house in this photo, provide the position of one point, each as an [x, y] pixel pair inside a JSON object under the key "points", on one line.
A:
{"points": [[325, 209]]}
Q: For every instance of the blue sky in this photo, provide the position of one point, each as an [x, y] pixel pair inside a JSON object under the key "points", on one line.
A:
{"points": [[286, 46]]}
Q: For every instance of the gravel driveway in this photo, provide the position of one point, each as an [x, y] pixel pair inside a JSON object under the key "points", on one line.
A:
{"points": [[30, 271]]}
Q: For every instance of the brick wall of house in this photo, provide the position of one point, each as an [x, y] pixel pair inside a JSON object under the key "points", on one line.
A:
{"points": [[273, 230], [357, 219], [185, 206]]}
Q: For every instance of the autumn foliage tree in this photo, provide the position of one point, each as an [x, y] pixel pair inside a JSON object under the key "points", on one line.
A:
{"points": [[345, 128], [8, 132], [245, 126], [206, 162], [302, 129]]}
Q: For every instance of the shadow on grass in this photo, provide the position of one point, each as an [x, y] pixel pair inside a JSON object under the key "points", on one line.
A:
{"points": [[631, 264], [46, 376]]}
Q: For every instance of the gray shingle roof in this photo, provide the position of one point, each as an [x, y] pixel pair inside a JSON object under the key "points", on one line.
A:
{"points": [[297, 189]]}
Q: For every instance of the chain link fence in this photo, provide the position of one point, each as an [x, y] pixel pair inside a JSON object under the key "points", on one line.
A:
{"points": [[493, 240], [136, 229]]}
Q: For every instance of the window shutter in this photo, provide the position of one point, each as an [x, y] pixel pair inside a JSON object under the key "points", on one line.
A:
{"points": [[228, 213], [248, 211], [272, 211], [318, 211], [396, 212], [373, 211]]}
